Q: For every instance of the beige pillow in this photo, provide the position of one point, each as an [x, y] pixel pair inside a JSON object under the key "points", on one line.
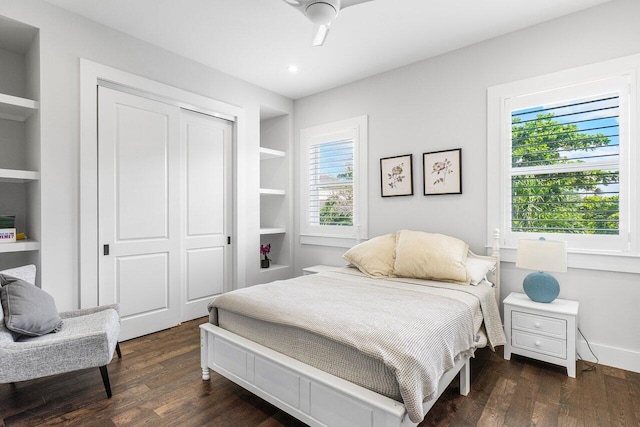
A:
{"points": [[373, 257], [431, 256]]}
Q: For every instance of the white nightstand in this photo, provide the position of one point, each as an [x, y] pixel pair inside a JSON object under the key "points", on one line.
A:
{"points": [[541, 331], [314, 269]]}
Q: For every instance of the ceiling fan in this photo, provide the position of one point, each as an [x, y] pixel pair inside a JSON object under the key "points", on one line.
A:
{"points": [[322, 13]]}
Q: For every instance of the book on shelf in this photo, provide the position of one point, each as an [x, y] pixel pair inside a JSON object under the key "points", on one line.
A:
{"points": [[7, 235], [7, 221]]}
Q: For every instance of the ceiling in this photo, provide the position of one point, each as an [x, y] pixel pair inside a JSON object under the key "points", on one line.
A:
{"points": [[256, 40]]}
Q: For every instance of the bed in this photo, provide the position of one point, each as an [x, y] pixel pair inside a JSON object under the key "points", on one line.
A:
{"points": [[345, 348]]}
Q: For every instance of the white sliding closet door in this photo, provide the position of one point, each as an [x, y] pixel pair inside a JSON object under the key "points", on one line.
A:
{"points": [[164, 210], [206, 202], [139, 210]]}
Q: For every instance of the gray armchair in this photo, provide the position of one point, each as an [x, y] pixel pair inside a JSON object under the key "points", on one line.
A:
{"points": [[87, 339]]}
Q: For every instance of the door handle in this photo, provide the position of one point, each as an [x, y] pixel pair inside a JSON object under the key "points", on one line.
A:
{"points": [[105, 250]]}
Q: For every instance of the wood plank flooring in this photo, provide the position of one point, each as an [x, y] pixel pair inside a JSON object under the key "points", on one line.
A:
{"points": [[157, 382]]}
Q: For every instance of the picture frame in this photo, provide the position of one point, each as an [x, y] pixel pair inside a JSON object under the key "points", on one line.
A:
{"points": [[396, 176], [442, 172]]}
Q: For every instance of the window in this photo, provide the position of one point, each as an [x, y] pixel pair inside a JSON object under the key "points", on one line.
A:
{"points": [[333, 193], [560, 152]]}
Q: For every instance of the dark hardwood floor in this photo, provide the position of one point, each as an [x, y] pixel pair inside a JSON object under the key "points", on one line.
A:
{"points": [[158, 382]]}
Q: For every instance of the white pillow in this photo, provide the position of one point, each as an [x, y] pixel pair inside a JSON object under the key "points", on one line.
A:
{"points": [[479, 267], [431, 256], [373, 257]]}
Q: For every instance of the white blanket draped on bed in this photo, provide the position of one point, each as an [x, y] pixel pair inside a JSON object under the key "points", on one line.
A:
{"points": [[417, 331]]}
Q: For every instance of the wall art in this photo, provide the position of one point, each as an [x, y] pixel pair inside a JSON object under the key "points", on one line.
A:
{"points": [[396, 176], [442, 172]]}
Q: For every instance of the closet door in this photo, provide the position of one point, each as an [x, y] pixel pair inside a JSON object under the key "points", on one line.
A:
{"points": [[206, 201], [139, 211]]}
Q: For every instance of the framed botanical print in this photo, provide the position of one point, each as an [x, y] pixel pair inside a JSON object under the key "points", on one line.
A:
{"points": [[442, 172], [396, 176]]}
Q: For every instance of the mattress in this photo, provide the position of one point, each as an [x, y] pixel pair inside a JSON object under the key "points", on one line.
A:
{"points": [[325, 354], [329, 355]]}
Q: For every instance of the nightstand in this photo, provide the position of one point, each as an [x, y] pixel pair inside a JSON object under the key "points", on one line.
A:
{"points": [[542, 331], [317, 269]]}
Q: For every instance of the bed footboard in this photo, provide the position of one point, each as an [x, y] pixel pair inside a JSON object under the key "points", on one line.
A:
{"points": [[307, 393]]}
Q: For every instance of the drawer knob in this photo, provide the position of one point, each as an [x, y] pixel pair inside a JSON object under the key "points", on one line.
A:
{"points": [[537, 325], [537, 343]]}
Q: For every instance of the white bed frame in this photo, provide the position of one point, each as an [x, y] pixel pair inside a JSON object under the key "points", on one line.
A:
{"points": [[307, 393]]}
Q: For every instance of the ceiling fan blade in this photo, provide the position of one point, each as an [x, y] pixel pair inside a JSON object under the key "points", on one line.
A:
{"points": [[320, 35], [347, 3], [298, 4]]}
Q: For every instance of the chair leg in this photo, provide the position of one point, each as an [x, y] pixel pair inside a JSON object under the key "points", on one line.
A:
{"points": [[118, 350], [105, 380]]}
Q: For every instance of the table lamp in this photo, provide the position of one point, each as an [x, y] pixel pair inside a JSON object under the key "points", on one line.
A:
{"points": [[547, 255]]}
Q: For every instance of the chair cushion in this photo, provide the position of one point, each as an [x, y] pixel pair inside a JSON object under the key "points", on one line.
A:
{"points": [[26, 273], [28, 310], [85, 341]]}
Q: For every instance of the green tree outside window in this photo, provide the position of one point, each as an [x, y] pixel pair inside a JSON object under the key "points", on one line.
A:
{"points": [[563, 202]]}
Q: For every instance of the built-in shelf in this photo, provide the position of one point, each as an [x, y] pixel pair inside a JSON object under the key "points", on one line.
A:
{"points": [[20, 246], [273, 267], [268, 153], [18, 176], [272, 192], [16, 108], [275, 193], [272, 230], [20, 133]]}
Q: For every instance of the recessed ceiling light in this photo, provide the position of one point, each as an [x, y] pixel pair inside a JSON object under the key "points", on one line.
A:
{"points": [[292, 68]]}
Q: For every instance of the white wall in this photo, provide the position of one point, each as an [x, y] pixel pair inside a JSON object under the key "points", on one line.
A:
{"points": [[64, 38], [439, 104]]}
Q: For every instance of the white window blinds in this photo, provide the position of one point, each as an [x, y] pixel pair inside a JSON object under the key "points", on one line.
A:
{"points": [[331, 189], [333, 183], [565, 167]]}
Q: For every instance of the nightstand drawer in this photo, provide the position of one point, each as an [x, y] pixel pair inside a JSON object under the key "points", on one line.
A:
{"points": [[539, 344], [556, 328]]}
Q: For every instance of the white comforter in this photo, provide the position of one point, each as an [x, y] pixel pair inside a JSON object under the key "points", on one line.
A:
{"points": [[416, 328]]}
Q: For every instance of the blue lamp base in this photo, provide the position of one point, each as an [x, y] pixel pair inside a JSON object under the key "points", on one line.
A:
{"points": [[541, 287]]}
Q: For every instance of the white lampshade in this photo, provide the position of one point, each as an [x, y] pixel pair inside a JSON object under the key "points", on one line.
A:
{"points": [[542, 255]]}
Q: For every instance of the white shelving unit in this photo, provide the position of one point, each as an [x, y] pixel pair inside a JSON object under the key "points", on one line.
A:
{"points": [[18, 176], [16, 108], [275, 194], [20, 146], [272, 192], [20, 246], [272, 230], [269, 153], [273, 267]]}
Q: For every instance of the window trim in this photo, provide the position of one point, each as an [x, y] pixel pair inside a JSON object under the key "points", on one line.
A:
{"points": [[619, 84], [358, 128], [497, 157]]}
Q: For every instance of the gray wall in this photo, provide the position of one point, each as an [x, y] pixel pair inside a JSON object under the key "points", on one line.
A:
{"points": [[441, 103], [64, 38]]}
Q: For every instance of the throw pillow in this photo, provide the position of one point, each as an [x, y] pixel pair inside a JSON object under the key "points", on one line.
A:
{"points": [[431, 256], [373, 257], [28, 310]]}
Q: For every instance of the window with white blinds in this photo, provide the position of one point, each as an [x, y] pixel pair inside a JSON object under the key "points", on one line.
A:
{"points": [[563, 163], [565, 167], [333, 183]]}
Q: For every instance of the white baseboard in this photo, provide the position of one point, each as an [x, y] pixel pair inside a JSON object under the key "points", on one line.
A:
{"points": [[610, 356]]}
